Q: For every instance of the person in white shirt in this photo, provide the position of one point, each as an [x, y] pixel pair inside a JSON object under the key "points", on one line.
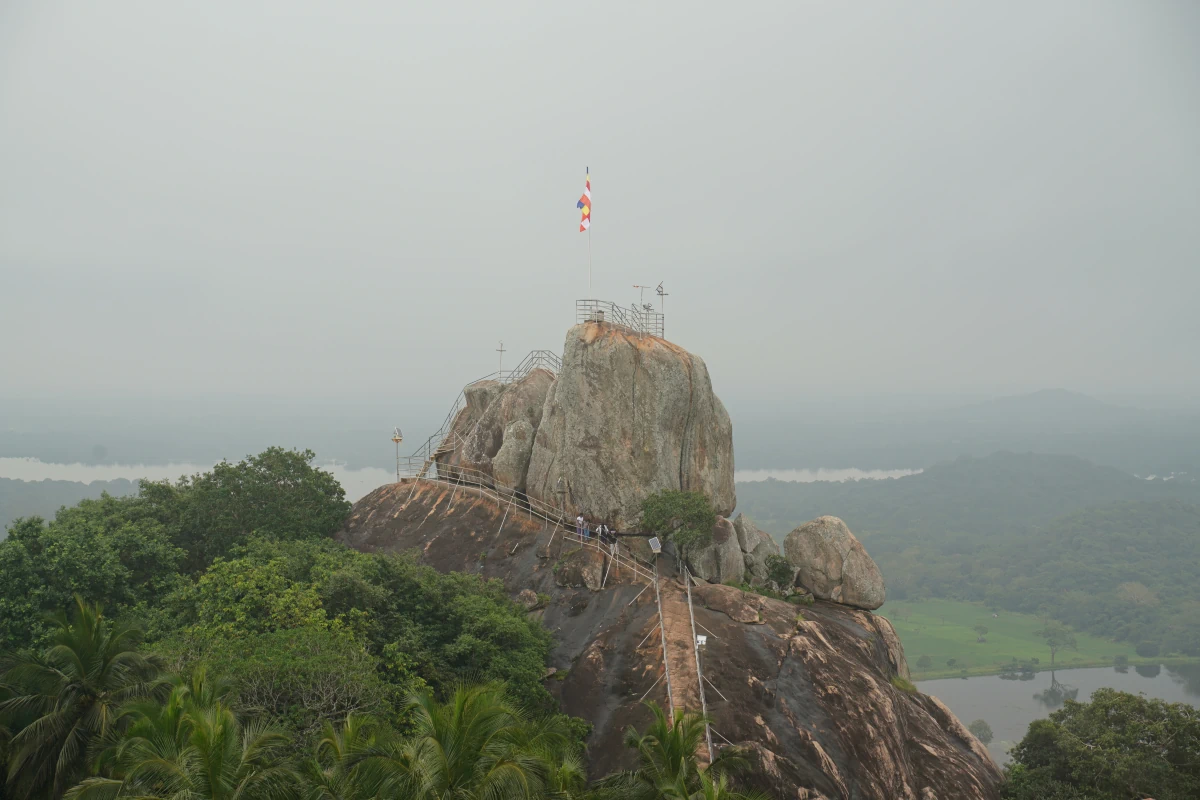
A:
{"points": [[579, 525]]}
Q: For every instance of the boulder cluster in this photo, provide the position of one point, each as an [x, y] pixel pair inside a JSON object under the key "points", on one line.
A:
{"points": [[826, 558]]}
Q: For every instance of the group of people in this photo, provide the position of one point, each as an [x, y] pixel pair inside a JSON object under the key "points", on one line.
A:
{"points": [[585, 526]]}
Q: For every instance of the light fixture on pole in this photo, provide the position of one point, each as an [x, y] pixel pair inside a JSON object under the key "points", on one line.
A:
{"points": [[397, 437]]}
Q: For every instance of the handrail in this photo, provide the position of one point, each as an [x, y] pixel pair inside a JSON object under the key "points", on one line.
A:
{"points": [[537, 359], [614, 555], [687, 579], [643, 319], [546, 513], [662, 629], [467, 475]]}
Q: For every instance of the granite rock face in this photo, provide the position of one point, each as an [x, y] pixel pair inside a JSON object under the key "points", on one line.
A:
{"points": [[756, 546], [479, 397], [722, 561], [630, 415], [834, 565], [512, 459], [480, 431], [810, 696]]}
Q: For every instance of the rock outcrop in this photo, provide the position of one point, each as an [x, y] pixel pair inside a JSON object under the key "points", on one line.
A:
{"points": [[810, 698], [630, 415], [722, 561], [493, 434], [833, 564], [756, 546], [738, 553]]}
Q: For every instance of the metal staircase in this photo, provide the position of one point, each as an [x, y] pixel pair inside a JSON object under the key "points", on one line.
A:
{"points": [[444, 440]]}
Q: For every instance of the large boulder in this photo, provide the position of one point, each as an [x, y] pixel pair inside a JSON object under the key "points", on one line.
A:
{"points": [[721, 561], [480, 436], [756, 545], [478, 398], [581, 567], [630, 415], [512, 460], [833, 564]]}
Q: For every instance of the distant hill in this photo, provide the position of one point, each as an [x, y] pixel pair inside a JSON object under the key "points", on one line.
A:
{"points": [[1102, 550], [993, 495], [1138, 441], [43, 498]]}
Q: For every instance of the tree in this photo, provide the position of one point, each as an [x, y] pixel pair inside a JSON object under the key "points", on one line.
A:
{"points": [[924, 662], [1118, 745], [981, 630], [1137, 594], [981, 731], [668, 764], [98, 549], [476, 745], [686, 518], [194, 746], [277, 493], [1056, 636], [67, 697], [781, 571]]}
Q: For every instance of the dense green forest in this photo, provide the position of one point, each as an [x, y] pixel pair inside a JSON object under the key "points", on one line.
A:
{"points": [[43, 498], [1100, 550], [209, 639]]}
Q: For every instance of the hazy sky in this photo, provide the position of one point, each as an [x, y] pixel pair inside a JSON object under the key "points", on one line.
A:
{"points": [[355, 201]]}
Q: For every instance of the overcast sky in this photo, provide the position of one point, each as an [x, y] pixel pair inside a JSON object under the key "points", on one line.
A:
{"points": [[358, 200]]}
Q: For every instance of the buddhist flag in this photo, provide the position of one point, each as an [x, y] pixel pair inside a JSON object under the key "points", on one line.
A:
{"points": [[585, 204]]}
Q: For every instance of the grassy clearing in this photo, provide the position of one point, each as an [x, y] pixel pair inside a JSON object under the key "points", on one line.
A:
{"points": [[943, 630]]}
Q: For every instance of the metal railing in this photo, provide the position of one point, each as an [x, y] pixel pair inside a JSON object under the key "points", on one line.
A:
{"points": [[643, 319], [460, 477], [537, 359], [687, 579]]}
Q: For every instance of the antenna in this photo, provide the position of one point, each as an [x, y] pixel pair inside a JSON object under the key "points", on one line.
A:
{"points": [[501, 351], [641, 293], [661, 297]]}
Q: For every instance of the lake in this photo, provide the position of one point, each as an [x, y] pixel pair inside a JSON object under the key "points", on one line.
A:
{"points": [[1010, 705]]}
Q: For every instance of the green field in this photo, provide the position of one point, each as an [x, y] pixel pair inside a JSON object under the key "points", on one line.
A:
{"points": [[943, 629]]}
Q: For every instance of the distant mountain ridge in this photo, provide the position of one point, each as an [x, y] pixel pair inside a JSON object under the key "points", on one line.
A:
{"points": [[989, 496], [1054, 421]]}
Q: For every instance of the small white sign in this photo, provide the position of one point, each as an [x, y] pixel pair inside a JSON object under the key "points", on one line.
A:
{"points": [[701, 640], [655, 545]]}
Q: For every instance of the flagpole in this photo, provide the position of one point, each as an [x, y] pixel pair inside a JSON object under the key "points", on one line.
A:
{"points": [[589, 261]]}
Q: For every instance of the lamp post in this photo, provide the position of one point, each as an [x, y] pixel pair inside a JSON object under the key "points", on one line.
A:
{"points": [[397, 437]]}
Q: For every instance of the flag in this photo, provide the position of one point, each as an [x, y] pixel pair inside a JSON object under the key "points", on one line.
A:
{"points": [[585, 203]]}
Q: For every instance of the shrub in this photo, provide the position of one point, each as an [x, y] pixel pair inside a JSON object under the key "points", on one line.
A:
{"points": [[1147, 649], [1121, 660], [780, 570], [686, 518], [951, 662], [904, 684]]}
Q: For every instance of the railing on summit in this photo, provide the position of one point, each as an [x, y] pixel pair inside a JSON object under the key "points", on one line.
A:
{"points": [[643, 318]]}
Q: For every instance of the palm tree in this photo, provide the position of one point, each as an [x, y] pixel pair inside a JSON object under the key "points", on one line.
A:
{"points": [[194, 746], [668, 767], [337, 772], [476, 746], [66, 698]]}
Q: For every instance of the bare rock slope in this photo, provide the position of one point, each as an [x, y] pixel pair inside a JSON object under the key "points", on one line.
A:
{"points": [[628, 416], [813, 693]]}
